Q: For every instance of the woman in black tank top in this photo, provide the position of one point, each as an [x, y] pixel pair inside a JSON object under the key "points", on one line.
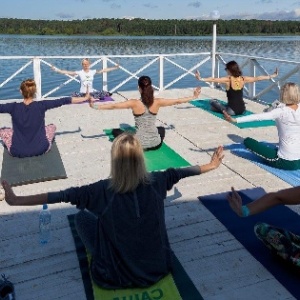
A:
{"points": [[234, 88]]}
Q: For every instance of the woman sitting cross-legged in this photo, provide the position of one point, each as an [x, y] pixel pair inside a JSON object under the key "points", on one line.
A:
{"points": [[287, 118], [29, 136], [234, 83], [121, 219], [145, 111], [283, 243]]}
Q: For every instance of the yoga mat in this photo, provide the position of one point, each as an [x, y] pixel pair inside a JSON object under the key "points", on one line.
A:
{"points": [[20, 171], [205, 105], [290, 176], [160, 159], [175, 286], [242, 230]]}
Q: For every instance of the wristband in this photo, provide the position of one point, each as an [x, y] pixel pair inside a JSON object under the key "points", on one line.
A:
{"points": [[245, 211]]}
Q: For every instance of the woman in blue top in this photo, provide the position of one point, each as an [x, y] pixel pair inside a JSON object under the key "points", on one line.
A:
{"points": [[29, 136], [234, 82]]}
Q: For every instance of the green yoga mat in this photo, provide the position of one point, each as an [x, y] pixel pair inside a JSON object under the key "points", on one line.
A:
{"points": [[175, 286], [19, 171], [160, 159], [205, 105]]}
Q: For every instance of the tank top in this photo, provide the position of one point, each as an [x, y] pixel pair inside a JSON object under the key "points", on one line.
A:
{"points": [[235, 100], [146, 130]]}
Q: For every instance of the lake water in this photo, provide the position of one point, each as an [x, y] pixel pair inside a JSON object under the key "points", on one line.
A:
{"points": [[277, 47]]}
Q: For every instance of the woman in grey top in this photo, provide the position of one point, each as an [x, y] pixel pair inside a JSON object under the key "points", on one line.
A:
{"points": [[145, 111], [121, 219]]}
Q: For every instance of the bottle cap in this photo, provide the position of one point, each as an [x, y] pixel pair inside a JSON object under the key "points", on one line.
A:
{"points": [[45, 206]]}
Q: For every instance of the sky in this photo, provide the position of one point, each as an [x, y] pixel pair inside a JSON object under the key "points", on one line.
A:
{"points": [[151, 9]]}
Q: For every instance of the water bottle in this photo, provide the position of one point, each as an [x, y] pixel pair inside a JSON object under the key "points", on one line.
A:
{"points": [[44, 224]]}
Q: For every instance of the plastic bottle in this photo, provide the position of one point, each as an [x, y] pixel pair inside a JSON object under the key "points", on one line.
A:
{"points": [[44, 224]]}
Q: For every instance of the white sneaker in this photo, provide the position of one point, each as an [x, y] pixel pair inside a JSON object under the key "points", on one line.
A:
{"points": [[273, 105]]}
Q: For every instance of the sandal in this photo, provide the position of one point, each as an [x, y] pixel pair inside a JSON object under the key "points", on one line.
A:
{"points": [[7, 291]]}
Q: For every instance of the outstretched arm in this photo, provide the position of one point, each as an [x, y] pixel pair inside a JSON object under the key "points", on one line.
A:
{"points": [[212, 79], [108, 69], [87, 97], [248, 79], [12, 199], [72, 73], [169, 102], [120, 105], [289, 196]]}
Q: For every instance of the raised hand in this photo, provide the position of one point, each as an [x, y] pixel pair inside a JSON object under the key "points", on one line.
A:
{"points": [[197, 75], [217, 157], [235, 202], [197, 92]]}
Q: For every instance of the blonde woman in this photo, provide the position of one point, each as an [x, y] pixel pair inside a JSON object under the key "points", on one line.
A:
{"points": [[234, 82], [121, 219], [86, 76], [287, 118], [29, 136]]}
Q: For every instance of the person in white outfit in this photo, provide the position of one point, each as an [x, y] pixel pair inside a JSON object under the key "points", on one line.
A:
{"points": [[86, 76], [287, 118]]}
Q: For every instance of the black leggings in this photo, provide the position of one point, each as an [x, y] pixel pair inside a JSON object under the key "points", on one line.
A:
{"points": [[161, 131]]}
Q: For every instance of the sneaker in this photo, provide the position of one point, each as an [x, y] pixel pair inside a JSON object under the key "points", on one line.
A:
{"points": [[7, 291], [273, 105]]}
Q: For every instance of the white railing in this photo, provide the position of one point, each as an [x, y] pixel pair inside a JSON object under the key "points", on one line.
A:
{"points": [[215, 61]]}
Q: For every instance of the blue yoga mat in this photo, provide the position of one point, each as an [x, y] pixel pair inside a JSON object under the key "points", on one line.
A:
{"points": [[291, 177], [242, 230]]}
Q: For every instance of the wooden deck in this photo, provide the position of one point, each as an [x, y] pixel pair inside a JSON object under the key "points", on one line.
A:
{"points": [[217, 263]]}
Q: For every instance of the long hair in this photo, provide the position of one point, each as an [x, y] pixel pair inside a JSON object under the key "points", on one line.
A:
{"points": [[146, 89], [290, 93], [233, 68], [128, 168], [28, 88]]}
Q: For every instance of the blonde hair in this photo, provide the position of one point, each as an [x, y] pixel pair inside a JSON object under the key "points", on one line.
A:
{"points": [[128, 168], [28, 88], [290, 93], [85, 59]]}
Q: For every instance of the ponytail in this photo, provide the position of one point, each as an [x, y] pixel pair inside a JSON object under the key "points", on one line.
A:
{"points": [[147, 92]]}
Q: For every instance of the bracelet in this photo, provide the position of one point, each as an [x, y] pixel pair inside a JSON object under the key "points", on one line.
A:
{"points": [[245, 211]]}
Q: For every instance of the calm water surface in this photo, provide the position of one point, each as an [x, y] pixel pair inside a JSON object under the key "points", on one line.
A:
{"points": [[277, 47]]}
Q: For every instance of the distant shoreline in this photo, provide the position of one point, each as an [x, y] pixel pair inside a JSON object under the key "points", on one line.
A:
{"points": [[142, 27]]}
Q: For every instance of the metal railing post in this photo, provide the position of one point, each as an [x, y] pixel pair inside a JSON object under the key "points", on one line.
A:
{"points": [[37, 76], [104, 74], [161, 73], [213, 53], [252, 73]]}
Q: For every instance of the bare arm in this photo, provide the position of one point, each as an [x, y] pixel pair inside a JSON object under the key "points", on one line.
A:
{"points": [[108, 69], [169, 102], [72, 73], [87, 97], [212, 79], [289, 196], [12, 199], [120, 105], [248, 79]]}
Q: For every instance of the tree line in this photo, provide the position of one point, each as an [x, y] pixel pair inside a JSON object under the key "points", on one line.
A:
{"points": [[143, 27]]}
